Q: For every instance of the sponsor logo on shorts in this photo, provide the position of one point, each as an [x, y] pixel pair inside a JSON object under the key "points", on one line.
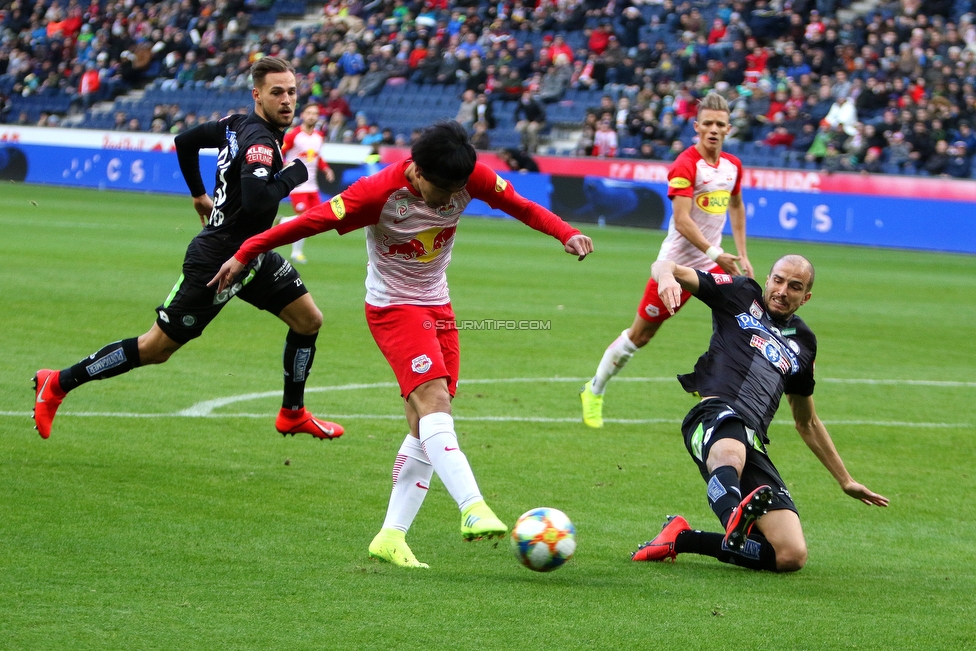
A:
{"points": [[652, 311], [113, 359], [421, 364], [283, 270], [189, 320], [500, 184], [756, 310], [163, 317], [722, 279], [679, 183], [338, 206], [261, 154]]}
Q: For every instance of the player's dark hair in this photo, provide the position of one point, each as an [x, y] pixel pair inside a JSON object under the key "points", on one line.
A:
{"points": [[444, 155], [266, 65]]}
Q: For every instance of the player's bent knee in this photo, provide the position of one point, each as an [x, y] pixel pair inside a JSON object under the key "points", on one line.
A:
{"points": [[791, 559]]}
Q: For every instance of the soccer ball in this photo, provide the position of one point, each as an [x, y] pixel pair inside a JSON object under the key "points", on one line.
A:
{"points": [[543, 539]]}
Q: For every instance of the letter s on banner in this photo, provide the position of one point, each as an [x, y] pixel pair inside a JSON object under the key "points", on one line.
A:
{"points": [[136, 173], [821, 218], [787, 216]]}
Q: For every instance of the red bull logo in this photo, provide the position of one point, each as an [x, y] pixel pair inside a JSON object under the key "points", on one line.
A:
{"points": [[424, 247]]}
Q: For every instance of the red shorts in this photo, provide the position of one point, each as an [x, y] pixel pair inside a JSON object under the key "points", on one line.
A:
{"points": [[302, 201], [652, 308], [419, 341]]}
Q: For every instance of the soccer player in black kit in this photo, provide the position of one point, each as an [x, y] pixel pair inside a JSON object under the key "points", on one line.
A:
{"points": [[759, 350], [251, 181]]}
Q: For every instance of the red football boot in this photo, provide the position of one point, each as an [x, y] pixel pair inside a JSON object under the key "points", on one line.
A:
{"points": [[47, 398], [300, 421], [662, 547], [751, 508]]}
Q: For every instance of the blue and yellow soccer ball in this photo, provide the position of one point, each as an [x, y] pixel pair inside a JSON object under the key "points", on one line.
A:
{"points": [[543, 539]]}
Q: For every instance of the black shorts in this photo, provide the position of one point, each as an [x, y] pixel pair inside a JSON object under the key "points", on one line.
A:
{"points": [[699, 429], [268, 282]]}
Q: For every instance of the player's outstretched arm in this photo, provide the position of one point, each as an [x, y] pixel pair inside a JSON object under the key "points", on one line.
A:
{"points": [[671, 279], [579, 245], [815, 435], [686, 226]]}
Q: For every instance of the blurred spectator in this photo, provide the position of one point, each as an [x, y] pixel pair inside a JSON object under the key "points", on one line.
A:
{"points": [[939, 159], [584, 146], [518, 161], [872, 163], [899, 150], [605, 140], [336, 104], [674, 150], [480, 139], [373, 81], [779, 137], [530, 119], [352, 66], [958, 166], [646, 151], [483, 111], [843, 114], [466, 112], [556, 80]]}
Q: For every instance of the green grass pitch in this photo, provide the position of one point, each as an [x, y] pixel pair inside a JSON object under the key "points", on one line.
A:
{"points": [[137, 526]]}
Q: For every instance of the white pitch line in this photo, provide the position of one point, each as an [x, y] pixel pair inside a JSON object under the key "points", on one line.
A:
{"points": [[205, 409], [494, 419]]}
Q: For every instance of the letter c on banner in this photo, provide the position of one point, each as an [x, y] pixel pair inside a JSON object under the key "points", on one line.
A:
{"points": [[787, 216], [112, 170]]}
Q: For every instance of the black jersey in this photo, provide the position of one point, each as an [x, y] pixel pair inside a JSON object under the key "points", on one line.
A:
{"points": [[751, 359], [250, 182]]}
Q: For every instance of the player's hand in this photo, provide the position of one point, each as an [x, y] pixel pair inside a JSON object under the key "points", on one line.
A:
{"points": [[729, 264], [228, 271], [746, 266], [329, 175], [669, 290], [579, 245], [204, 206], [861, 492]]}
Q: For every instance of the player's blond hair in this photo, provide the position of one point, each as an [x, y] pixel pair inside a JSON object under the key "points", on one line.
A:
{"points": [[713, 102]]}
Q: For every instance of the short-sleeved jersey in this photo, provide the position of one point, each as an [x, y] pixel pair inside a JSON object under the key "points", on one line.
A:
{"points": [[409, 243], [710, 188], [751, 359], [248, 148], [307, 148]]}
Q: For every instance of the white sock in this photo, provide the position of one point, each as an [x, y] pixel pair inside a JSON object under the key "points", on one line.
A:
{"points": [[441, 445], [614, 358], [411, 479]]}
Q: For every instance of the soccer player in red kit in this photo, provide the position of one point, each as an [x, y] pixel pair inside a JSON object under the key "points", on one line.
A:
{"points": [[410, 211], [304, 143], [703, 185]]}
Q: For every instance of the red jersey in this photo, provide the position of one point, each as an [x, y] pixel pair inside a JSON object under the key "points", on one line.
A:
{"points": [[709, 187], [408, 243]]}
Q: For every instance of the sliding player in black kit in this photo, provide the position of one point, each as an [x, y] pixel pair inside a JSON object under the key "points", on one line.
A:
{"points": [[251, 181], [759, 350]]}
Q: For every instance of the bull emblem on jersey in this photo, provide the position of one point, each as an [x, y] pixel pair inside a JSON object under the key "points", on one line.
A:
{"points": [[424, 247]]}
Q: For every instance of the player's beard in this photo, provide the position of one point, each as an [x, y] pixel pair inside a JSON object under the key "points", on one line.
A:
{"points": [[273, 115]]}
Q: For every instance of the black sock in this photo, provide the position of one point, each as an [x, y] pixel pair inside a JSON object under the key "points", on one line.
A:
{"points": [[298, 356], [723, 492], [114, 359], [757, 554]]}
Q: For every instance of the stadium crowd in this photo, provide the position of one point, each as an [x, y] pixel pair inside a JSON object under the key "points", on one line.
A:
{"points": [[890, 91]]}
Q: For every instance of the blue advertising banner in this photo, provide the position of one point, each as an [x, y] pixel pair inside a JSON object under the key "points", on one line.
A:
{"points": [[811, 216]]}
